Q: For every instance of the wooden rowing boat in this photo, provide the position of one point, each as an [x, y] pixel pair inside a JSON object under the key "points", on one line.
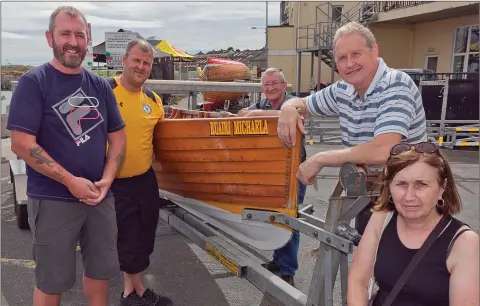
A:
{"points": [[223, 70], [226, 164], [219, 98]]}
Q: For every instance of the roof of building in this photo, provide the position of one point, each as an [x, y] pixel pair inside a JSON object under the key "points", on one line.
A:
{"points": [[243, 56], [154, 42]]}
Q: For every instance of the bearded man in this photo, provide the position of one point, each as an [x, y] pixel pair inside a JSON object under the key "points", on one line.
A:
{"points": [[62, 119]]}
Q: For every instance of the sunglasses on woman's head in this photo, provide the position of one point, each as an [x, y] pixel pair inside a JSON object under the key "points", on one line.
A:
{"points": [[422, 147]]}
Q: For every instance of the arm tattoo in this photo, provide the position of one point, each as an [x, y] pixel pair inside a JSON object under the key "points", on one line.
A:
{"points": [[118, 159], [36, 153], [59, 173]]}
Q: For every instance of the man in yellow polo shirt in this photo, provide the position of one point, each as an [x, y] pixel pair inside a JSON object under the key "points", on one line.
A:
{"points": [[135, 189]]}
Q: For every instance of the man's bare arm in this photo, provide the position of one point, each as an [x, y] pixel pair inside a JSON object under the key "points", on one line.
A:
{"points": [[115, 154], [26, 146], [300, 104], [375, 152]]}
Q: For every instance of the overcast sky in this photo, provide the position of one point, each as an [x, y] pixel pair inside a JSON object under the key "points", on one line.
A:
{"points": [[189, 26]]}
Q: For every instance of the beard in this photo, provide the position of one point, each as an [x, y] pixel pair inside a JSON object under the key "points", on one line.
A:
{"points": [[72, 61]]}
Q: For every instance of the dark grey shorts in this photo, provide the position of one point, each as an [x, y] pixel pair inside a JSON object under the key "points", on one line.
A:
{"points": [[57, 226]]}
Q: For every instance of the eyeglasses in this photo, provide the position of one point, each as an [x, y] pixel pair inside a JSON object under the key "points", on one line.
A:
{"points": [[422, 147], [274, 83]]}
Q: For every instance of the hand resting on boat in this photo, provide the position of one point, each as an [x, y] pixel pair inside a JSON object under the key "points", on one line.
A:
{"points": [[292, 112]]}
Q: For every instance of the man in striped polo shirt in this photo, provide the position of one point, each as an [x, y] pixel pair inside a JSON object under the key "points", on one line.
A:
{"points": [[377, 106]]}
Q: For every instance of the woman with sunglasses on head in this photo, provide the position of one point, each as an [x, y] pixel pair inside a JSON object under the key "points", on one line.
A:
{"points": [[416, 251]]}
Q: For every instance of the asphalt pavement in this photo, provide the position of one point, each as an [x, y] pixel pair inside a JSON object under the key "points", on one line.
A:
{"points": [[182, 270]]}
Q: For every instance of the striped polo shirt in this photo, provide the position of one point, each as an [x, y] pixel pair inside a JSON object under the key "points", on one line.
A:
{"points": [[391, 104]]}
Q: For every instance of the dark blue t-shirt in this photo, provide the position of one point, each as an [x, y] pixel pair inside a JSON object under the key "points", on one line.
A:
{"points": [[71, 116]]}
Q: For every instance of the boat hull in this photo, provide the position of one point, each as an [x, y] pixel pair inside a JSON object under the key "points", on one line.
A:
{"points": [[228, 165], [260, 235], [219, 98], [222, 70]]}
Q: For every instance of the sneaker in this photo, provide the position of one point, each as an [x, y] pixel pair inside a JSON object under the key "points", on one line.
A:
{"points": [[132, 300], [153, 299], [271, 266], [288, 279]]}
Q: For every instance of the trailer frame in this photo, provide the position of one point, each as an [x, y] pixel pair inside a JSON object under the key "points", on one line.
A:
{"points": [[18, 178], [332, 255], [242, 260], [334, 245]]}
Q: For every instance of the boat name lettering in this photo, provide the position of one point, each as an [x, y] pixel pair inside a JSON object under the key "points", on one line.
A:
{"points": [[220, 128], [240, 127]]}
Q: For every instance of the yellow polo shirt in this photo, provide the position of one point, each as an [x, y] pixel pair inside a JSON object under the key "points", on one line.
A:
{"points": [[140, 111]]}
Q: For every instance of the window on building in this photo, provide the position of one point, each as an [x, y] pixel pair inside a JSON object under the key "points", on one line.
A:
{"points": [[431, 62], [337, 12], [465, 50]]}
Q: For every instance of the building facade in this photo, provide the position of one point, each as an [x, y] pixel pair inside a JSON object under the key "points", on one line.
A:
{"points": [[434, 35]]}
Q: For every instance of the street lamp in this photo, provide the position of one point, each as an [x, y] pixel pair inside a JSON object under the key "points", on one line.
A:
{"points": [[264, 28]]}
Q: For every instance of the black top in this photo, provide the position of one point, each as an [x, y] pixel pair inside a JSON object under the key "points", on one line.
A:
{"points": [[429, 282]]}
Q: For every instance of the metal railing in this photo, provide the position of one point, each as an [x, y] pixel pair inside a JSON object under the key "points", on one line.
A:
{"points": [[307, 36], [326, 29], [443, 76], [323, 130], [386, 6], [193, 88], [320, 34], [360, 12], [466, 135], [451, 105], [326, 131]]}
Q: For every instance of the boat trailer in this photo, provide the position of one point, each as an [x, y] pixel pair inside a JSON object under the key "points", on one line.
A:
{"points": [[335, 235], [18, 179]]}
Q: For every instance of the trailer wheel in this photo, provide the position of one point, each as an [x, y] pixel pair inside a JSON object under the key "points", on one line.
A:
{"points": [[12, 181], [21, 211], [22, 217]]}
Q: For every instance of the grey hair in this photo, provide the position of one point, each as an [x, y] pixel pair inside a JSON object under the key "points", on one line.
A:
{"points": [[276, 71], [141, 43], [70, 11], [355, 27]]}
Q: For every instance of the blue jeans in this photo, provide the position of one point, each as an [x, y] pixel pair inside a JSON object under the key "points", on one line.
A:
{"points": [[286, 257]]}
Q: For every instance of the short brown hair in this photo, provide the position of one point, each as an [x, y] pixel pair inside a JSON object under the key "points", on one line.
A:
{"points": [[141, 43], [276, 71], [70, 11], [451, 198]]}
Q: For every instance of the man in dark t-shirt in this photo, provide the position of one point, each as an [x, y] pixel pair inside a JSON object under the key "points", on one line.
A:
{"points": [[62, 119], [274, 86]]}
